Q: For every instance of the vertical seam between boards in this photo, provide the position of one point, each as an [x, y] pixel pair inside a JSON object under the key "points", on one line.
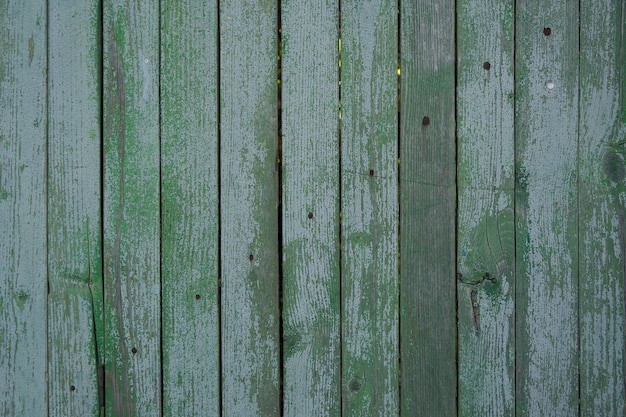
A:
{"points": [[398, 196], [46, 206], [160, 139], [578, 184], [515, 173], [278, 162], [101, 360], [339, 234], [218, 130]]}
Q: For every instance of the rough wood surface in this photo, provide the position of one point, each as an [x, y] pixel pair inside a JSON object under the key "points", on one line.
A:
{"points": [[485, 226], [74, 239], [249, 203], [546, 207], [310, 72], [369, 206], [131, 208], [23, 208], [190, 201], [427, 209], [602, 210]]}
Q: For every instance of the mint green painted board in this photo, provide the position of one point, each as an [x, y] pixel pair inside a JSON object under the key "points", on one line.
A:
{"points": [[310, 145], [485, 225], [131, 209], [23, 288], [249, 198], [369, 204], [190, 222], [427, 209], [602, 209], [546, 208], [75, 333]]}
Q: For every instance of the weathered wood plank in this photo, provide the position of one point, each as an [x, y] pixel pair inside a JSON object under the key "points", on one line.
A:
{"points": [[131, 208], [602, 210], [486, 230], [190, 238], [427, 209], [249, 208], [74, 239], [23, 208], [311, 208], [369, 206], [546, 207]]}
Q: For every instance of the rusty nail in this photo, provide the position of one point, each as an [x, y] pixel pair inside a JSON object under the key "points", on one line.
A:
{"points": [[426, 121]]}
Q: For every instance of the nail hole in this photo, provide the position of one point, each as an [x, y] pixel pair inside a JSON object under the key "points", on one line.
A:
{"points": [[72, 388], [310, 215], [547, 31], [371, 172], [426, 121], [487, 65], [251, 257], [197, 296], [134, 350]]}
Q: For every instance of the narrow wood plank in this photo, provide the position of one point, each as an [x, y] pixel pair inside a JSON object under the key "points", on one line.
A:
{"points": [[23, 208], [486, 230], [311, 208], [74, 238], [249, 204], [546, 207], [131, 208], [369, 206], [189, 159], [427, 209], [602, 208]]}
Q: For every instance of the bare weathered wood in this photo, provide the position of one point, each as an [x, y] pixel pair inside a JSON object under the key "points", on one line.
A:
{"points": [[131, 208], [486, 230], [249, 208], [23, 208], [427, 209], [310, 143], [369, 205], [602, 209], [546, 208], [75, 331], [190, 237]]}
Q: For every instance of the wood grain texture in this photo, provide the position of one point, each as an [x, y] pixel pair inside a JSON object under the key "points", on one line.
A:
{"points": [[310, 71], [369, 206], [546, 208], [486, 230], [23, 208], [602, 210], [249, 208], [131, 208], [74, 239], [427, 209], [190, 222]]}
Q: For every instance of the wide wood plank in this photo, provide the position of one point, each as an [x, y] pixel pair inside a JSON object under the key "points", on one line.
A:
{"points": [[486, 231], [546, 208], [369, 206], [310, 146], [249, 208], [75, 333], [131, 208], [602, 211], [427, 209], [23, 208], [190, 238]]}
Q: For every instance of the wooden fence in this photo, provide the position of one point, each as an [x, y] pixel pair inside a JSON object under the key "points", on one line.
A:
{"points": [[312, 208]]}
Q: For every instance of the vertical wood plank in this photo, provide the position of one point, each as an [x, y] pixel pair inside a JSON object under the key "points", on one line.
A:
{"points": [[427, 209], [602, 208], [131, 208], [311, 208], [546, 206], [249, 208], [189, 160], [486, 230], [74, 237], [23, 208], [369, 202]]}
